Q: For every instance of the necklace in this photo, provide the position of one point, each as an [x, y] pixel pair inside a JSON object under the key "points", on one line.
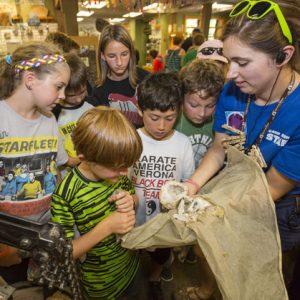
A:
{"points": [[239, 139]]}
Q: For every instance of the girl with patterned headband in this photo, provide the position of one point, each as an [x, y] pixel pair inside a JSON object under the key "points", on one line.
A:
{"points": [[32, 80]]}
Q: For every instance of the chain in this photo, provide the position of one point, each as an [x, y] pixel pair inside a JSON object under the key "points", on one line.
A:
{"points": [[59, 270]]}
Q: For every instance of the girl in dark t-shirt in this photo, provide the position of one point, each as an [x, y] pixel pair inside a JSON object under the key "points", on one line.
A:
{"points": [[119, 75]]}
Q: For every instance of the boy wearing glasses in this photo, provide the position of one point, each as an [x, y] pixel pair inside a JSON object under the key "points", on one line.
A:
{"points": [[70, 109]]}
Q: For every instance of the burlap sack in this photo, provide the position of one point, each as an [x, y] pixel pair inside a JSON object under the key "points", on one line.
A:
{"points": [[242, 248]]}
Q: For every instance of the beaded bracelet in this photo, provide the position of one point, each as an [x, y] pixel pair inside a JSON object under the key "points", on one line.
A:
{"points": [[194, 183]]}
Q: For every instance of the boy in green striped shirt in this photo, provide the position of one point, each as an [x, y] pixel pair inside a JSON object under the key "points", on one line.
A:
{"points": [[106, 144]]}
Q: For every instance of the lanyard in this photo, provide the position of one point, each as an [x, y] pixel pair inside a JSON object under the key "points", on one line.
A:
{"points": [[273, 114]]}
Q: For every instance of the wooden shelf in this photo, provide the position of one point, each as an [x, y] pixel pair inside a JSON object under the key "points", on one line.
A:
{"points": [[47, 19]]}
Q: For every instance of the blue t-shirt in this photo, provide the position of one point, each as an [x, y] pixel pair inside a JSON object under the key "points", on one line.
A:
{"points": [[280, 146]]}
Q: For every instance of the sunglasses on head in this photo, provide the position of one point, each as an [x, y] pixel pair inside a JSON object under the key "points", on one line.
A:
{"points": [[211, 50], [256, 10]]}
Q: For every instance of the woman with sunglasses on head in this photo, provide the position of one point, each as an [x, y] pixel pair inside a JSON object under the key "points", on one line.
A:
{"points": [[262, 99]]}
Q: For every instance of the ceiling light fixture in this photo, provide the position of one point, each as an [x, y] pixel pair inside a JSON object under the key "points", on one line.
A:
{"points": [[154, 8], [85, 13], [94, 4], [132, 14], [116, 20], [220, 7], [151, 6]]}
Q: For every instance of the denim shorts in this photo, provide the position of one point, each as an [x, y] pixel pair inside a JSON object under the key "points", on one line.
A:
{"points": [[288, 219]]}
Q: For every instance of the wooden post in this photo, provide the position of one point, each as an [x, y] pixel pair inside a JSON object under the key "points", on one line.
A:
{"points": [[205, 18], [65, 14]]}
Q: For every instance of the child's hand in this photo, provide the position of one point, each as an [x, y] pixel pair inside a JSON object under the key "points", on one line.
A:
{"points": [[123, 200], [192, 189], [121, 223], [9, 256]]}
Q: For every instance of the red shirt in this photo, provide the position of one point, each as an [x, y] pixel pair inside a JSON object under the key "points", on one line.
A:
{"points": [[158, 64]]}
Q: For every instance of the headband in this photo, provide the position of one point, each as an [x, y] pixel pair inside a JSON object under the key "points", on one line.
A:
{"points": [[8, 59], [36, 62]]}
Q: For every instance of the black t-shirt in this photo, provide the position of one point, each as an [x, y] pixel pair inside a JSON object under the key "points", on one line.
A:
{"points": [[187, 43], [120, 95]]}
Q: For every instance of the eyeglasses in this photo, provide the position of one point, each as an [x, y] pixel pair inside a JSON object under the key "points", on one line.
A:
{"points": [[258, 9], [211, 50]]}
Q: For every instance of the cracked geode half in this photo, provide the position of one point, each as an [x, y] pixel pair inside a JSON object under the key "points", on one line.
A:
{"points": [[171, 193], [174, 195]]}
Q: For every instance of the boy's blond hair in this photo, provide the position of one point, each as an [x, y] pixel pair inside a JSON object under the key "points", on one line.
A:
{"points": [[105, 136]]}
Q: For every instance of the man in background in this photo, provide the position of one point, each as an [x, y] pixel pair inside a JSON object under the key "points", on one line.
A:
{"points": [[188, 42]]}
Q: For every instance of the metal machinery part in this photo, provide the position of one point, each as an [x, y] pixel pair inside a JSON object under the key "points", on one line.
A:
{"points": [[49, 249]]}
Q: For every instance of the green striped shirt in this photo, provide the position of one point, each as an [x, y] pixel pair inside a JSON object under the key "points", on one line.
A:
{"points": [[77, 202], [173, 60]]}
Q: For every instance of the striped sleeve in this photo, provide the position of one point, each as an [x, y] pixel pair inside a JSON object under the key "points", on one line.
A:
{"points": [[61, 210]]}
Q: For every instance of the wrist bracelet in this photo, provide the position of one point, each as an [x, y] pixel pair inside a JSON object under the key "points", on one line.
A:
{"points": [[194, 183]]}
